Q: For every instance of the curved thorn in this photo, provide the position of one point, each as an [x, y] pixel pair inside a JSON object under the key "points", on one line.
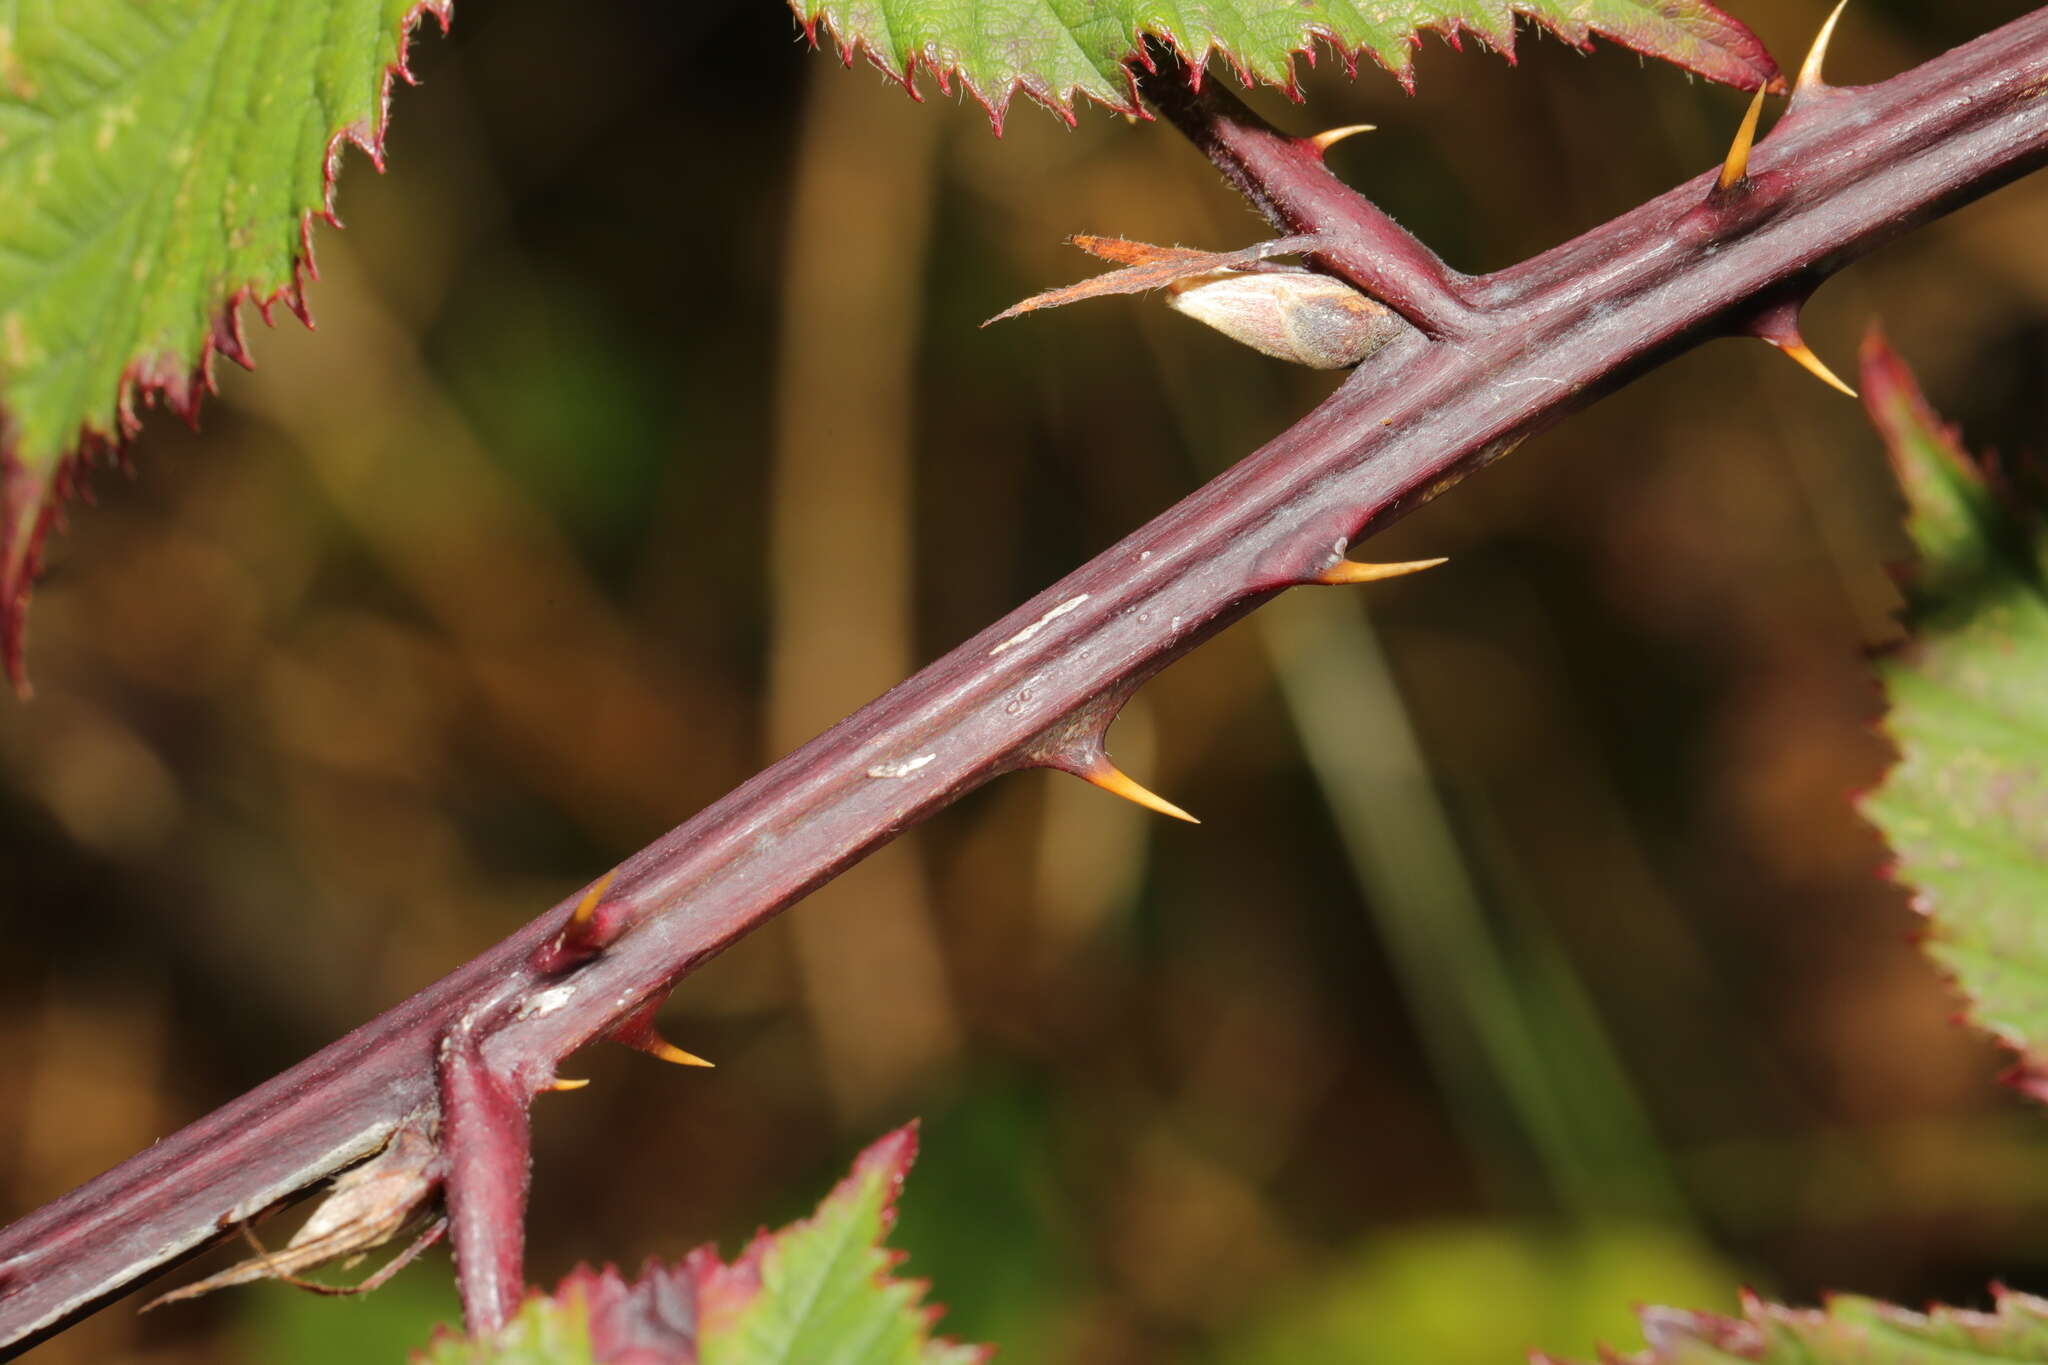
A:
{"points": [[1803, 354], [1346, 571], [586, 909], [566, 1083], [1112, 779], [660, 1047], [1736, 164], [1329, 138], [1817, 55]]}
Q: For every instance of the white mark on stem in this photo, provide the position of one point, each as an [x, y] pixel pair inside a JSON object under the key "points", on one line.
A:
{"points": [[546, 1003], [901, 767], [1040, 624]]}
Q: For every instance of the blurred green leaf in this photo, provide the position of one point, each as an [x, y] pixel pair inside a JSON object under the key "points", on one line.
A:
{"points": [[161, 161], [1966, 807], [578, 409], [1053, 51], [989, 1213], [1849, 1331], [548, 1331], [1481, 1295], [283, 1324]]}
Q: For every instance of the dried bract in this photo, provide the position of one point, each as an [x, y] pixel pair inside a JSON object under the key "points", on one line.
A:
{"points": [[365, 1209]]}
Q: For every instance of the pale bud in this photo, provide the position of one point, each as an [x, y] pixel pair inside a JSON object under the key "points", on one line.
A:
{"points": [[1292, 315]]}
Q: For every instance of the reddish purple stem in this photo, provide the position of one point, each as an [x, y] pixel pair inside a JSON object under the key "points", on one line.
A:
{"points": [[1285, 179], [1496, 358], [489, 1145]]}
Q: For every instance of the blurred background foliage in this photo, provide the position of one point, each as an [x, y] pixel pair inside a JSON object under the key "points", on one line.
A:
{"points": [[1530, 962]]}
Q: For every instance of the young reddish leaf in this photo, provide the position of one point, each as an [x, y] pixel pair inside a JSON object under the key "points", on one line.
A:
{"points": [[818, 1292], [1053, 51], [161, 162], [1966, 807], [1848, 1331]]}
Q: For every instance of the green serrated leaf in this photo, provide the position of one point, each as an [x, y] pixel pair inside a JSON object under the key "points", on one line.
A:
{"points": [[1406, 1295], [818, 1292], [1055, 50], [160, 162], [1848, 1331], [548, 1330], [1966, 807]]}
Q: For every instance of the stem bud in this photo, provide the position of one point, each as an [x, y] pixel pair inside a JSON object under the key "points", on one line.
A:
{"points": [[1292, 315]]}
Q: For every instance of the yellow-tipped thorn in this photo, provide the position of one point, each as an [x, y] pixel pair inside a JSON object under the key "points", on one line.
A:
{"points": [[1323, 141], [568, 1083], [1814, 365], [1817, 55], [669, 1052], [1737, 163], [1112, 779], [1351, 571], [587, 907]]}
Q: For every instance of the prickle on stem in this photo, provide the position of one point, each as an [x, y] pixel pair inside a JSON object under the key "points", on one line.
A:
{"points": [[1803, 354], [1346, 571], [1779, 325], [637, 1031], [586, 909], [1330, 137], [1114, 780], [669, 1052], [582, 937], [1735, 166], [1817, 55]]}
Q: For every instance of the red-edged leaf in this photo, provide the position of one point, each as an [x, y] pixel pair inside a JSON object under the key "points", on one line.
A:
{"points": [[1966, 807], [1056, 50], [161, 162], [818, 1292]]}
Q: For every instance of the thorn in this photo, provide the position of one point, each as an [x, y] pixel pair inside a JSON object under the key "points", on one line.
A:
{"points": [[1736, 165], [637, 1031], [562, 1083], [1351, 571], [1800, 352], [1778, 323], [586, 909], [1323, 141], [1112, 779], [1817, 55], [657, 1046]]}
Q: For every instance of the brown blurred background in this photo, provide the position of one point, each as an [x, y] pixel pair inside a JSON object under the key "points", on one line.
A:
{"points": [[1530, 961]]}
